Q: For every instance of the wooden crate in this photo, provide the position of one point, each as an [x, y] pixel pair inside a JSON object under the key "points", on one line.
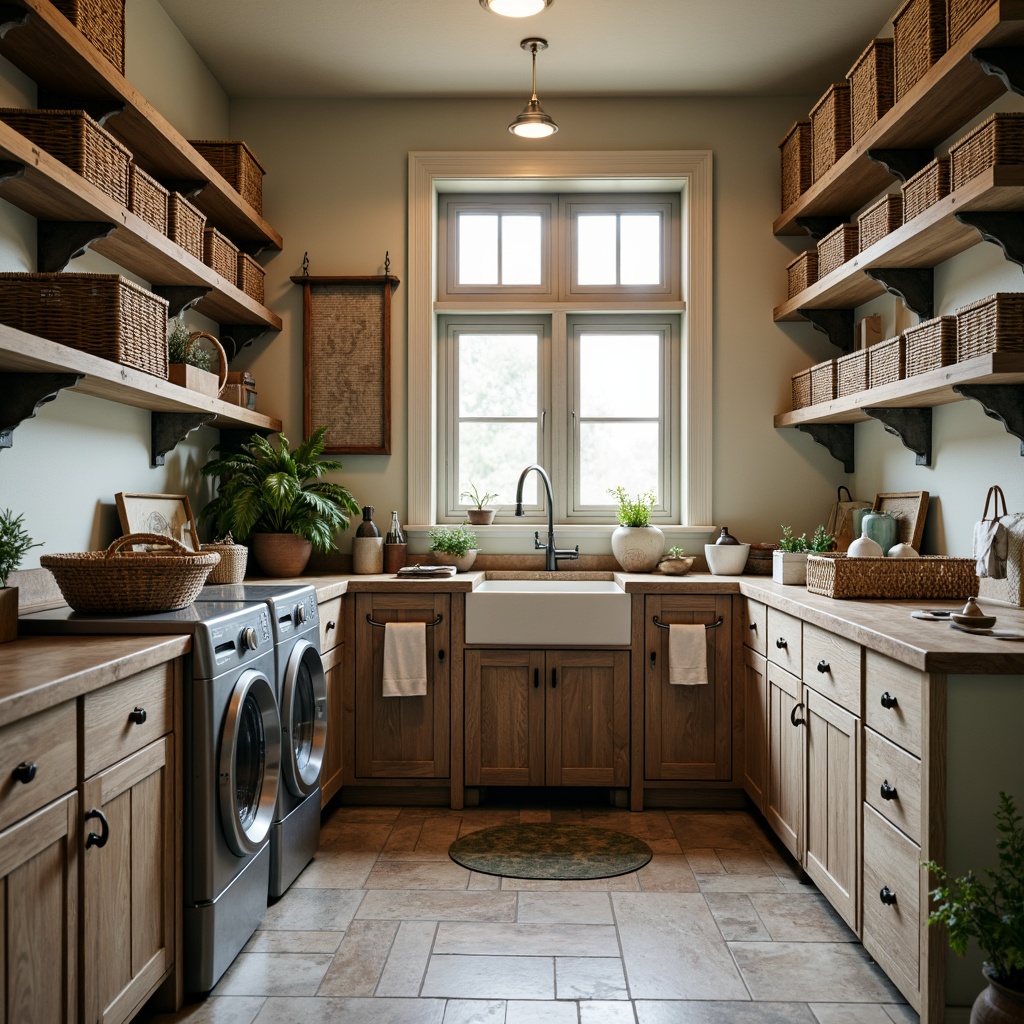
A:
{"points": [[926, 188], [802, 272], [919, 35], [836, 248], [830, 128], [878, 220], [872, 86], [886, 362], [930, 345], [797, 161], [999, 139], [992, 324]]}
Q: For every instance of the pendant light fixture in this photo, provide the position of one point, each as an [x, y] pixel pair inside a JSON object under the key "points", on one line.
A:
{"points": [[533, 123], [515, 8]]}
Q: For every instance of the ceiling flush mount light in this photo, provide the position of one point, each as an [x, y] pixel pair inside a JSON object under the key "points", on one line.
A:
{"points": [[533, 123], [515, 8]]}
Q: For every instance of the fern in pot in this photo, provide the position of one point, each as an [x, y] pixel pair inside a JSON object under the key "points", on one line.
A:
{"points": [[636, 545], [453, 545]]}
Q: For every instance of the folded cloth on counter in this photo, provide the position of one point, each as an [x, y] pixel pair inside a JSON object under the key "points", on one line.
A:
{"points": [[426, 572], [405, 659], [687, 656]]}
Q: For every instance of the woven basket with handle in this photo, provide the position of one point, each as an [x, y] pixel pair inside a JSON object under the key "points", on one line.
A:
{"points": [[176, 371]]}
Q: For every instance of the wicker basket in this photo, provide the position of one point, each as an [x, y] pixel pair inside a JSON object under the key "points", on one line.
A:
{"points": [[802, 389], [836, 248], [185, 225], [930, 345], [962, 15], [238, 164], [926, 188], [999, 139], [759, 560], [823, 382], [250, 277], [101, 22], [872, 87], [802, 272], [830, 128], [879, 219], [932, 577], [75, 139], [102, 314], [131, 582], [851, 373], [992, 324], [797, 171], [147, 198], [885, 362], [919, 34], [231, 567], [220, 254]]}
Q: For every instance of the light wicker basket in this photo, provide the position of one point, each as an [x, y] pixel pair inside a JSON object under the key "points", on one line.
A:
{"points": [[231, 567], [126, 582], [930, 345], [926, 188], [802, 389], [101, 22], [236, 162], [999, 139], [220, 254], [851, 373], [797, 163], [962, 15], [879, 220], [932, 577], [830, 128], [992, 324], [147, 198], [250, 277], [105, 315], [885, 362], [872, 87], [185, 225], [823, 381], [802, 272], [836, 248], [76, 140], [919, 35]]}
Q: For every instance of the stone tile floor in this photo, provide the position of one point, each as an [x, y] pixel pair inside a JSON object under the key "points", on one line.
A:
{"points": [[383, 927]]}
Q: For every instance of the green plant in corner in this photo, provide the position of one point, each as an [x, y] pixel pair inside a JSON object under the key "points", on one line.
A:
{"points": [[633, 511], [787, 542], [452, 540], [821, 541], [14, 542], [476, 498], [178, 350]]}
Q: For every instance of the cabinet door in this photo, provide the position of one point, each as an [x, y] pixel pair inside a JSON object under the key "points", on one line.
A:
{"points": [[754, 694], [833, 802], [39, 916], [401, 737], [688, 729], [587, 726], [128, 882], [504, 718], [784, 809], [331, 771]]}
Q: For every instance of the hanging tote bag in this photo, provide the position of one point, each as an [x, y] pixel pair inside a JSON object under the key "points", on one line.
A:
{"points": [[999, 551], [841, 519]]}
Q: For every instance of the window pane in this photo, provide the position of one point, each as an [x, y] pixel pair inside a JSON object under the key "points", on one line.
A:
{"points": [[620, 374], [595, 249], [498, 374], [614, 454], [493, 455], [520, 249], [478, 248], [641, 249]]}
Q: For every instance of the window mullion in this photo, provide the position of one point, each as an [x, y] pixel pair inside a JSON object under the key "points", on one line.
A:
{"points": [[560, 444]]}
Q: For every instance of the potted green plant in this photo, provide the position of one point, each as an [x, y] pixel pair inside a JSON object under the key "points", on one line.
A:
{"points": [[188, 363], [453, 545], [276, 497], [479, 515], [992, 914], [789, 559], [676, 563], [636, 545], [14, 542]]}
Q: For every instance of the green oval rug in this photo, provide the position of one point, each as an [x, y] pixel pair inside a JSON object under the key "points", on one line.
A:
{"points": [[550, 850]]}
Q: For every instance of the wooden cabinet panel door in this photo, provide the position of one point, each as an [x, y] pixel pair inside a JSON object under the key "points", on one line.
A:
{"points": [[331, 770], [39, 916], [754, 694], [784, 807], [688, 729], [402, 737], [587, 722], [504, 718]]}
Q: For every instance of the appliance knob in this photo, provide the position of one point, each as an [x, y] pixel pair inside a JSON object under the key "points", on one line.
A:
{"points": [[300, 614], [250, 641]]}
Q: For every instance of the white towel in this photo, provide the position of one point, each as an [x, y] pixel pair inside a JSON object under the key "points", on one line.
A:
{"points": [[405, 659], [687, 656]]}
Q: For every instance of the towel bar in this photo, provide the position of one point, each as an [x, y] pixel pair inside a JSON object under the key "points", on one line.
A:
{"points": [[707, 625], [381, 625]]}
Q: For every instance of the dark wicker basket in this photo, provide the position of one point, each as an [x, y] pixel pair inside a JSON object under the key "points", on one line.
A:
{"points": [[962, 15], [75, 139], [926, 188], [802, 389], [147, 198], [101, 22], [872, 87], [220, 254], [830, 127], [919, 34], [878, 220], [999, 139], [250, 277], [930, 345], [851, 373], [836, 248], [797, 160], [802, 272], [886, 362], [759, 560], [992, 324], [105, 315], [185, 225], [236, 162], [823, 381]]}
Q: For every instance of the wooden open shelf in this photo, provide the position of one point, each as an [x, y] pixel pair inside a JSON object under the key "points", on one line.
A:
{"points": [[953, 90], [65, 65]]}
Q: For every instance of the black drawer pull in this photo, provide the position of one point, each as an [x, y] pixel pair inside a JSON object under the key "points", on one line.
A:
{"points": [[824, 666], [554, 678], [780, 643], [794, 719], [536, 678], [97, 840], [752, 627], [331, 624], [888, 792], [887, 896], [138, 716], [440, 655], [887, 700], [25, 772], [654, 658]]}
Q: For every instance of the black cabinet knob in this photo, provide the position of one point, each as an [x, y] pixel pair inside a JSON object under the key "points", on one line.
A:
{"points": [[440, 654], [887, 700], [888, 792], [887, 896], [824, 666], [138, 716], [25, 772], [654, 658], [331, 624], [536, 678], [752, 627], [97, 840], [781, 642]]}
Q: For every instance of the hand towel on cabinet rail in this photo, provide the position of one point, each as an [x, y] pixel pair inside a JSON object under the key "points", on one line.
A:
{"points": [[405, 659], [687, 655]]}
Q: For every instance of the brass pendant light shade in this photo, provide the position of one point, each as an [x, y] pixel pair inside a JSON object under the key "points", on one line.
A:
{"points": [[515, 8], [533, 122]]}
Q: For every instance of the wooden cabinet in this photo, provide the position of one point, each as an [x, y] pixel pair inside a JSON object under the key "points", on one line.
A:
{"points": [[557, 718], [784, 807], [332, 651], [753, 692]]}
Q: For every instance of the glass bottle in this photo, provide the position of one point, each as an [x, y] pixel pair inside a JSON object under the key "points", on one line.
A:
{"points": [[725, 537], [367, 528], [395, 535], [882, 528]]}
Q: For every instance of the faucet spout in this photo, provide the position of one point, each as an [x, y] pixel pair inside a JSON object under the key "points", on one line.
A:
{"points": [[551, 553]]}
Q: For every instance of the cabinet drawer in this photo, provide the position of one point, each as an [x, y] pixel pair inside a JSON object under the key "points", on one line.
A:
{"points": [[785, 641], [892, 930], [47, 741], [832, 665], [331, 625], [125, 716], [892, 697], [890, 770], [755, 625]]}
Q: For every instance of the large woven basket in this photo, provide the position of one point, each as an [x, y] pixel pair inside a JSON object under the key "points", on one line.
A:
{"points": [[851, 373], [147, 198], [836, 248], [797, 169], [930, 345], [962, 15], [823, 381], [233, 560], [992, 324], [879, 220], [185, 225], [830, 127], [933, 577], [926, 188], [999, 139], [126, 582], [250, 277], [238, 164], [101, 22], [919, 35], [886, 362], [872, 86]]}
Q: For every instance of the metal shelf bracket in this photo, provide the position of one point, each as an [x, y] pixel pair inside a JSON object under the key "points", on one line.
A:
{"points": [[819, 227], [1002, 402], [168, 428], [58, 242], [912, 426], [836, 323], [234, 337], [180, 296], [902, 163], [914, 285], [22, 393], [836, 437], [1003, 229], [1005, 63]]}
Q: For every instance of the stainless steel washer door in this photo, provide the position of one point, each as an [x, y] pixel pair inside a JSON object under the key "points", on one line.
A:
{"points": [[250, 763], [303, 718]]}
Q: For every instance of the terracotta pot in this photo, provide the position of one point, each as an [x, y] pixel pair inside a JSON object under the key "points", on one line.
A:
{"points": [[997, 1004], [461, 562], [480, 516], [637, 548], [280, 554], [8, 614]]}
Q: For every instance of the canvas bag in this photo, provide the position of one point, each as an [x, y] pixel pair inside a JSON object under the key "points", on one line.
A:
{"points": [[991, 540], [1009, 588], [840, 520]]}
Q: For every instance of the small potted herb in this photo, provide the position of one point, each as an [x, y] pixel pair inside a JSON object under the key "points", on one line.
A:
{"points": [[453, 545], [188, 363], [479, 515], [789, 560], [676, 563], [636, 545], [14, 542]]}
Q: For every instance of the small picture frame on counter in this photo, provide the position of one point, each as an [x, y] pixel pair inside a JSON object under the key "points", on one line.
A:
{"points": [[909, 509], [167, 514]]}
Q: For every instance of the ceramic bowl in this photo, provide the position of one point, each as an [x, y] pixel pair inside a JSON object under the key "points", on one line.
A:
{"points": [[726, 559], [973, 621]]}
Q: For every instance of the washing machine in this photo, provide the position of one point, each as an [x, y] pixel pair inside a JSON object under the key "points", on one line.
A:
{"points": [[230, 767], [302, 700]]}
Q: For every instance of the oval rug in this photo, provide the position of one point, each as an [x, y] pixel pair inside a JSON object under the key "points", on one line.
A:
{"points": [[550, 850]]}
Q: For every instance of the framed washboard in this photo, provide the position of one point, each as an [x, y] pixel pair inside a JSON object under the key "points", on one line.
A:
{"points": [[346, 361]]}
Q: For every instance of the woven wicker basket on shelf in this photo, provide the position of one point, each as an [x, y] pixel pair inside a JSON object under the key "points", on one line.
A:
{"points": [[885, 362], [250, 277], [147, 198], [851, 373], [185, 225], [220, 254], [231, 567], [999, 139], [919, 35], [930, 345], [962, 15], [101, 22], [879, 219], [930, 577], [823, 381], [872, 87], [802, 389], [992, 324], [836, 248], [126, 582], [236, 162], [797, 160], [802, 272], [830, 128], [926, 188]]}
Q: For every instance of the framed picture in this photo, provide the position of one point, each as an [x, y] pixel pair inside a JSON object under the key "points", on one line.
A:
{"points": [[167, 514], [909, 508]]}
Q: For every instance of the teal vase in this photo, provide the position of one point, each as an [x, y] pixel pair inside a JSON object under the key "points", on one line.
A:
{"points": [[882, 528]]}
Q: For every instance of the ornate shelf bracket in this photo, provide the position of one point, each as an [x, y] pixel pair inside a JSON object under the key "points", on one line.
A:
{"points": [[22, 393], [912, 426], [168, 428], [100, 110], [819, 227], [58, 242], [836, 437], [1003, 402], [836, 323], [12, 16], [180, 296], [1003, 229], [1005, 63], [901, 163], [234, 337], [914, 285], [10, 169], [187, 187]]}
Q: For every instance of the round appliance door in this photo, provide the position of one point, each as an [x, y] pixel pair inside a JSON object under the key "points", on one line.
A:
{"points": [[303, 718], [250, 763]]}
